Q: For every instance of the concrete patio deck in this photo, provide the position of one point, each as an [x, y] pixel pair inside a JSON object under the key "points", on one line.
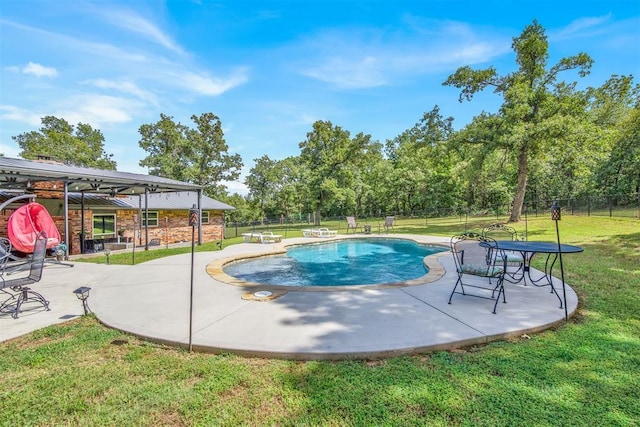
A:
{"points": [[151, 300]]}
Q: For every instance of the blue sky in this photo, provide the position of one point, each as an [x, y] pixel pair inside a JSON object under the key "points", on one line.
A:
{"points": [[269, 69]]}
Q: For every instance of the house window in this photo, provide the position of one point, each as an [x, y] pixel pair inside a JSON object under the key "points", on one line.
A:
{"points": [[104, 225], [205, 217], [153, 219]]}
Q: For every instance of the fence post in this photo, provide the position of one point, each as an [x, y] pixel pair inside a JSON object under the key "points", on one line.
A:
{"points": [[610, 207]]}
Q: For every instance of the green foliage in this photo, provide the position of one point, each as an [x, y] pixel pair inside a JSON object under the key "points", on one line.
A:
{"points": [[197, 155], [584, 372], [331, 159], [534, 104], [262, 181], [79, 145]]}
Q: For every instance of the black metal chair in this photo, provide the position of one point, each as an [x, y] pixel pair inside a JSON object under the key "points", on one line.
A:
{"points": [[476, 264], [501, 231], [18, 288]]}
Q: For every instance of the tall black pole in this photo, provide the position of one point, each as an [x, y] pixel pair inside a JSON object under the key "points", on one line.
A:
{"points": [[556, 215], [194, 220]]}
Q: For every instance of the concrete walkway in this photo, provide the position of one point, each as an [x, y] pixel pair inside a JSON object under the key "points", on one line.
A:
{"points": [[152, 300]]}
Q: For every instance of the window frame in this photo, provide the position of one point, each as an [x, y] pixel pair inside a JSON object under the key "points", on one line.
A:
{"points": [[95, 235], [151, 219], [202, 215]]}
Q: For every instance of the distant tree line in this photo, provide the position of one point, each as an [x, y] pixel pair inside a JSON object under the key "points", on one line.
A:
{"points": [[548, 139]]}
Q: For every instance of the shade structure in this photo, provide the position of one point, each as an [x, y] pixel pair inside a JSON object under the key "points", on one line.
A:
{"points": [[26, 222]]}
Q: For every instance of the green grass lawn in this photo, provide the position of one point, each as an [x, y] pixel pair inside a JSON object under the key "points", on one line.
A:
{"points": [[586, 372]]}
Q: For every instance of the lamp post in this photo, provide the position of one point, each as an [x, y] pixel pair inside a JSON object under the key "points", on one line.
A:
{"points": [[194, 218], [556, 216], [83, 295]]}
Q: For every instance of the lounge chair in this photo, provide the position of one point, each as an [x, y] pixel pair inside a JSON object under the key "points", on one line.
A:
{"points": [[261, 237], [352, 224], [269, 237], [324, 232], [388, 223], [251, 237]]}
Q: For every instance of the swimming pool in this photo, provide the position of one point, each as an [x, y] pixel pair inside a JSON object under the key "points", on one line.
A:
{"points": [[338, 263]]}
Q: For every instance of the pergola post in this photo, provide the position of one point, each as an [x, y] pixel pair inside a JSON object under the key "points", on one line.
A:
{"points": [[146, 220], [66, 219]]}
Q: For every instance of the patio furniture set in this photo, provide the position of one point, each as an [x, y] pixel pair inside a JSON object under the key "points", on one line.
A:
{"points": [[499, 254]]}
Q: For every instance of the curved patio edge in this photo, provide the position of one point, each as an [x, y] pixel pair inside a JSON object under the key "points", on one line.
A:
{"points": [[151, 300]]}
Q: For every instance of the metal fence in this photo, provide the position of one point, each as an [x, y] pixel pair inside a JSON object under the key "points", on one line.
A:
{"points": [[612, 206]]}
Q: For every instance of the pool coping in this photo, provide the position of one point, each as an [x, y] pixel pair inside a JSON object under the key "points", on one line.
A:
{"points": [[216, 268]]}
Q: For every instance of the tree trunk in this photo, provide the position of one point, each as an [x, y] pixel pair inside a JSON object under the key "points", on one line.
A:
{"points": [[521, 189], [316, 220]]}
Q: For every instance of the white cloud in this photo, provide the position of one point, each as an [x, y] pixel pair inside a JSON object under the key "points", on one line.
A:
{"points": [[124, 87], [205, 85], [98, 110], [236, 187], [17, 114], [356, 58], [581, 27], [135, 23], [39, 70], [350, 73]]}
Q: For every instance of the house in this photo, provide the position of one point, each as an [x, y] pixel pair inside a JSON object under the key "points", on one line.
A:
{"points": [[93, 207]]}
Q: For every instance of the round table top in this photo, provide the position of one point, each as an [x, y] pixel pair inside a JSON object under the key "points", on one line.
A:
{"points": [[539, 247]]}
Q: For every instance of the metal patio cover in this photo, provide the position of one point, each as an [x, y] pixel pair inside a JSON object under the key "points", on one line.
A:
{"points": [[21, 174], [18, 173]]}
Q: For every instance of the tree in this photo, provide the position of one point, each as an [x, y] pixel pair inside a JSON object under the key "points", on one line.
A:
{"points": [[534, 106], [421, 175], [80, 145], [620, 173], [199, 156], [331, 157], [262, 181]]}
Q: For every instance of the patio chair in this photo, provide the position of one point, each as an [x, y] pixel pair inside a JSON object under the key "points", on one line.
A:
{"points": [[388, 223], [18, 288], [501, 231], [352, 224], [477, 263]]}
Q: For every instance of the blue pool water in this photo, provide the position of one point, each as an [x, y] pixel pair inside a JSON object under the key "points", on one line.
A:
{"points": [[339, 263]]}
